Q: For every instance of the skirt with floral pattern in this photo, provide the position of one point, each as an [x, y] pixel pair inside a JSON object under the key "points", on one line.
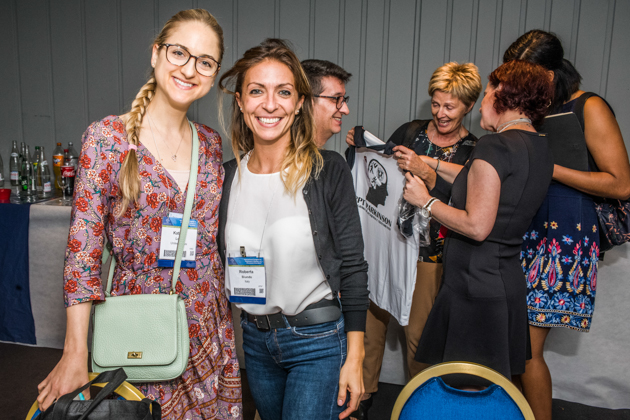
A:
{"points": [[559, 257]]}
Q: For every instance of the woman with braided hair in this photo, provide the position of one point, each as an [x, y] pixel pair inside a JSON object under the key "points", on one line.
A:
{"points": [[133, 171]]}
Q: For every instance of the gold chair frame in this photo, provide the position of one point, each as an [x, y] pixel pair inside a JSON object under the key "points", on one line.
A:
{"points": [[465, 368], [125, 390]]}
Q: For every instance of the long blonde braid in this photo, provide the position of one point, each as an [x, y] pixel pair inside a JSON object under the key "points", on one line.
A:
{"points": [[128, 178]]}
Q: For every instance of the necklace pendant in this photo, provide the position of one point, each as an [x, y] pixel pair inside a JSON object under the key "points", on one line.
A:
{"points": [[174, 157]]}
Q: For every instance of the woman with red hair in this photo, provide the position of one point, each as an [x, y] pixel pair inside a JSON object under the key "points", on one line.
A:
{"points": [[480, 313]]}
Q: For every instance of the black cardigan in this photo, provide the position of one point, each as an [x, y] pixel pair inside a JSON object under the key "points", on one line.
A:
{"points": [[336, 230]]}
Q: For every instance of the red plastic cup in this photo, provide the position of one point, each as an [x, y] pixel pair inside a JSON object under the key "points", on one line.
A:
{"points": [[5, 195]]}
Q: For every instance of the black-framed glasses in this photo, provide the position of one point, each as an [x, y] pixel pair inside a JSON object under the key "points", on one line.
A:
{"points": [[340, 100], [179, 56]]}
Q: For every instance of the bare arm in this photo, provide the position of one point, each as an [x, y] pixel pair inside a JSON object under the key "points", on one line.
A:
{"points": [[71, 372], [448, 171], [351, 375], [605, 143], [482, 202]]}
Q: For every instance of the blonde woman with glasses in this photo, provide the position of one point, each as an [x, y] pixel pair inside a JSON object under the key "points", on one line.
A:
{"points": [[134, 171]]}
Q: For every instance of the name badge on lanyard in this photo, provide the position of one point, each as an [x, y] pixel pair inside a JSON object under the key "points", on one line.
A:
{"points": [[248, 282], [171, 226]]}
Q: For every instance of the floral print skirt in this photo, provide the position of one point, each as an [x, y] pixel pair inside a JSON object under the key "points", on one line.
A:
{"points": [[559, 257]]}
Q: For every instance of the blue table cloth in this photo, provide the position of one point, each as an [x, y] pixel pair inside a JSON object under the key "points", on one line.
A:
{"points": [[16, 316]]}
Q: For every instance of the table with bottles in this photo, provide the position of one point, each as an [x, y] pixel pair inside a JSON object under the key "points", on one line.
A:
{"points": [[31, 179]]}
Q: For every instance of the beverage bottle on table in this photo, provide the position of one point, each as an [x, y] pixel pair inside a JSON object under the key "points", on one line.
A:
{"points": [[22, 154], [57, 162], [68, 172], [28, 175], [14, 167], [74, 156], [1, 173], [44, 186], [35, 161]]}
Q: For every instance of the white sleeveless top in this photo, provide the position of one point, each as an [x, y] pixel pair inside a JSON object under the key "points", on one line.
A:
{"points": [[294, 276]]}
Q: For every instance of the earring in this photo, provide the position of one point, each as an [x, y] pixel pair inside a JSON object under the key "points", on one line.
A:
{"points": [[241, 109], [297, 112]]}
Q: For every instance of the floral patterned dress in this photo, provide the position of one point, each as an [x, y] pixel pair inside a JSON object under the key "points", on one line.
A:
{"points": [[559, 257], [210, 388]]}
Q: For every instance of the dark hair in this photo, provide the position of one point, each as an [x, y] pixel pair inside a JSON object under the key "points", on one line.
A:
{"points": [[302, 157], [317, 69], [525, 87], [545, 49]]}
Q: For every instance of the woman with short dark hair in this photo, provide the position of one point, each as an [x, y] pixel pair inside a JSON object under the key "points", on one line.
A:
{"points": [[480, 313], [562, 242]]}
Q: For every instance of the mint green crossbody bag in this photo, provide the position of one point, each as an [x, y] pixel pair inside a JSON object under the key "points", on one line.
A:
{"points": [[147, 334]]}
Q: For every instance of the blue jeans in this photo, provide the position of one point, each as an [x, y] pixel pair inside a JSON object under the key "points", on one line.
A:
{"points": [[293, 372]]}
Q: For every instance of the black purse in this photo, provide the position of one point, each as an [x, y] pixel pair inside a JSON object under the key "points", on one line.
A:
{"points": [[99, 408], [613, 214]]}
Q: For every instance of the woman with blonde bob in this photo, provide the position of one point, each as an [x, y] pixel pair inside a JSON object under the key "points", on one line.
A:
{"points": [[291, 210], [454, 89], [134, 170]]}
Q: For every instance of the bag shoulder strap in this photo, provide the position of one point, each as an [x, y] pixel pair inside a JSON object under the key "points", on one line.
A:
{"points": [[413, 130], [190, 196], [113, 378]]}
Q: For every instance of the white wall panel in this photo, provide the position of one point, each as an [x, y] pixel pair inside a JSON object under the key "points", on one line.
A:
{"points": [[103, 55], [10, 93], [34, 49], [618, 85], [68, 74]]}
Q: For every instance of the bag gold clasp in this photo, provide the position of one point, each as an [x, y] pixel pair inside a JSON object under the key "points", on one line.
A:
{"points": [[134, 355]]}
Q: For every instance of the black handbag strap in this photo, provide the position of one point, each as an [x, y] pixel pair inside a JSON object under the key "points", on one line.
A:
{"points": [[156, 409], [414, 129], [113, 378]]}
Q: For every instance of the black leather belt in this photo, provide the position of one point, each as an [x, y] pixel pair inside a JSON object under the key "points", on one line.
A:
{"points": [[316, 313]]}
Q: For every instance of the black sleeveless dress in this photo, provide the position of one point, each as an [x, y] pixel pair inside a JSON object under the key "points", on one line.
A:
{"points": [[480, 313]]}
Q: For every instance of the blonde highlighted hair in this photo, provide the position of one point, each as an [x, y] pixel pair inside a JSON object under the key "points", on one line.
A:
{"points": [[128, 179], [460, 80], [302, 158]]}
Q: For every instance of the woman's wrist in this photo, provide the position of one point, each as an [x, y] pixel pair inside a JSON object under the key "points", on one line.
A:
{"points": [[356, 350]]}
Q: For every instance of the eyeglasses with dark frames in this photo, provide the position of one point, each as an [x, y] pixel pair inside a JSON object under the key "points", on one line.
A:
{"points": [[179, 56], [340, 100]]}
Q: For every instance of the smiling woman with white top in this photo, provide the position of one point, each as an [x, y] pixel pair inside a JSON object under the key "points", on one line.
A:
{"points": [[293, 258]]}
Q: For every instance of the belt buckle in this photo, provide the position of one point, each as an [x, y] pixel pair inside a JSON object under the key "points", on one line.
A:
{"points": [[258, 319]]}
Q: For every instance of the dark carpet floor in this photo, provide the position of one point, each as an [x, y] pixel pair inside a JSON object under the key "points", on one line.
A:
{"points": [[23, 367]]}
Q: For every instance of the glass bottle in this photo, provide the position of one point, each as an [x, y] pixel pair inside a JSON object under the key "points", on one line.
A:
{"points": [[1, 172], [14, 166], [74, 156], [28, 176], [44, 186], [22, 155], [35, 161], [57, 162]]}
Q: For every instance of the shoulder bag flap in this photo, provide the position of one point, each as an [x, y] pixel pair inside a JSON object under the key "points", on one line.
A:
{"points": [[141, 324]]}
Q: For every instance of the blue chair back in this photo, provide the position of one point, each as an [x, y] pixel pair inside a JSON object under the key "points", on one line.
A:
{"points": [[436, 400]]}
